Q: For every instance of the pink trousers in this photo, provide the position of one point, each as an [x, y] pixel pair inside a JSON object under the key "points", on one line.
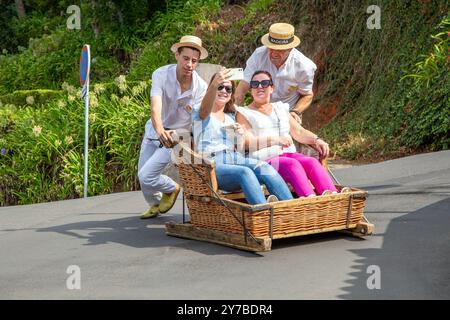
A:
{"points": [[298, 170]]}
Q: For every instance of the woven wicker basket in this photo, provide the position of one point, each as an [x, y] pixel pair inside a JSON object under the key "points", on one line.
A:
{"points": [[211, 209]]}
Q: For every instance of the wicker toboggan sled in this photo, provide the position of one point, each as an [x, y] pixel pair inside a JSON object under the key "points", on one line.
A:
{"points": [[227, 219]]}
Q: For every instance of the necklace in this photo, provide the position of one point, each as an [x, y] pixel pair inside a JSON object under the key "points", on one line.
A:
{"points": [[263, 109]]}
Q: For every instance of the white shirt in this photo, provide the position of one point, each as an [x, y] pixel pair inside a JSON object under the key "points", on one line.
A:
{"points": [[275, 124], [210, 135], [295, 76], [174, 114]]}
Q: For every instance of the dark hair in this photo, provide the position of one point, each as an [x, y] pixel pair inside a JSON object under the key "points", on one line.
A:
{"points": [[181, 49], [267, 73], [229, 107]]}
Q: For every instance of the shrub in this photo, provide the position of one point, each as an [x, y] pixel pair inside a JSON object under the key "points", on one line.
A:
{"points": [[166, 28], [364, 71], [42, 149], [39, 96]]}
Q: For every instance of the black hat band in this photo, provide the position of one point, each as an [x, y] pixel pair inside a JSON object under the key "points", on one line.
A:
{"points": [[281, 41]]}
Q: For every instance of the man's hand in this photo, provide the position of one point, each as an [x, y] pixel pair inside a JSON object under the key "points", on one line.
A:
{"points": [[165, 136], [303, 103]]}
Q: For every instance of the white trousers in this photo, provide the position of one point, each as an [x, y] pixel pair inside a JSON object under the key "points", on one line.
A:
{"points": [[152, 162]]}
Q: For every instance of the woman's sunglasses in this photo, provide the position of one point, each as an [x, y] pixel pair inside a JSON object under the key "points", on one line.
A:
{"points": [[264, 83], [228, 89]]}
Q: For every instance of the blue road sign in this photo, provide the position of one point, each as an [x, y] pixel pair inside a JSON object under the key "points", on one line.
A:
{"points": [[85, 64]]}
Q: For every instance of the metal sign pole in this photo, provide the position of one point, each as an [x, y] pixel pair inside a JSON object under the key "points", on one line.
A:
{"points": [[85, 65], [86, 138]]}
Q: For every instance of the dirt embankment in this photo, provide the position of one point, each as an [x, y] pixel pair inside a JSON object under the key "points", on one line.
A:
{"points": [[237, 44]]}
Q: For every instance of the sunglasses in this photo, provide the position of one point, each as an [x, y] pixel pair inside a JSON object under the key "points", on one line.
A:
{"points": [[254, 84], [228, 89]]}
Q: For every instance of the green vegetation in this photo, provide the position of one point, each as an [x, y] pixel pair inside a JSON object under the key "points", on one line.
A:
{"points": [[385, 93], [42, 154], [38, 51], [382, 113], [29, 97], [42, 148], [166, 29]]}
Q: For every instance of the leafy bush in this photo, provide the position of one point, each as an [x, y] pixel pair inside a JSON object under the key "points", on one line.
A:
{"points": [[390, 86], [38, 51], [30, 97], [47, 63], [42, 156], [363, 71], [165, 29], [428, 98]]}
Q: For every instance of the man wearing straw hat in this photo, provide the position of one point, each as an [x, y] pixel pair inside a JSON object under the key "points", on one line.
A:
{"points": [[292, 72], [175, 89]]}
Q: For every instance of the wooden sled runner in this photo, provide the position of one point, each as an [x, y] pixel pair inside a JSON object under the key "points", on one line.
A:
{"points": [[227, 219]]}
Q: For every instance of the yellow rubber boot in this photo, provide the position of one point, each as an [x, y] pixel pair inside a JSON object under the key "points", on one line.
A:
{"points": [[151, 212], [168, 200]]}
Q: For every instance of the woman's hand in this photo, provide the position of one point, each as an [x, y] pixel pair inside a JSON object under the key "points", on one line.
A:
{"points": [[323, 148], [239, 137], [210, 96], [221, 77], [285, 141], [239, 128], [296, 116]]}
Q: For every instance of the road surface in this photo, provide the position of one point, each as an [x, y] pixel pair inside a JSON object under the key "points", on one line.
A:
{"points": [[120, 256]]}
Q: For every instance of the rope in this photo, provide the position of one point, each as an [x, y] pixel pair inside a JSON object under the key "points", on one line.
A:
{"points": [[337, 181], [224, 204]]}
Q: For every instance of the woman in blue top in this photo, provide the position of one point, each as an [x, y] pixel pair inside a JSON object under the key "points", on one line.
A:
{"points": [[215, 132]]}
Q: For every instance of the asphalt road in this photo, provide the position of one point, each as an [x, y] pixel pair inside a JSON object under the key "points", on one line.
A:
{"points": [[122, 257]]}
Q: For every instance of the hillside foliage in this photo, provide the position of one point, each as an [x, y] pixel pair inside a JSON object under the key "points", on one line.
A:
{"points": [[379, 93]]}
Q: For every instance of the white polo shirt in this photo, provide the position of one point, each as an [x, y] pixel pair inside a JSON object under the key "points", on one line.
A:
{"points": [[295, 76], [174, 114]]}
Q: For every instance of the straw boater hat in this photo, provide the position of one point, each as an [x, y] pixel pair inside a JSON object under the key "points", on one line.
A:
{"points": [[280, 37], [192, 42]]}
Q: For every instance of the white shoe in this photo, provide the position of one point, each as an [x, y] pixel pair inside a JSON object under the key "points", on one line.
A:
{"points": [[346, 190], [327, 193], [311, 195], [272, 198]]}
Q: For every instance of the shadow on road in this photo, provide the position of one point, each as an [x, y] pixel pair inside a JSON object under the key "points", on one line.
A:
{"points": [[311, 239], [414, 261], [137, 233]]}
